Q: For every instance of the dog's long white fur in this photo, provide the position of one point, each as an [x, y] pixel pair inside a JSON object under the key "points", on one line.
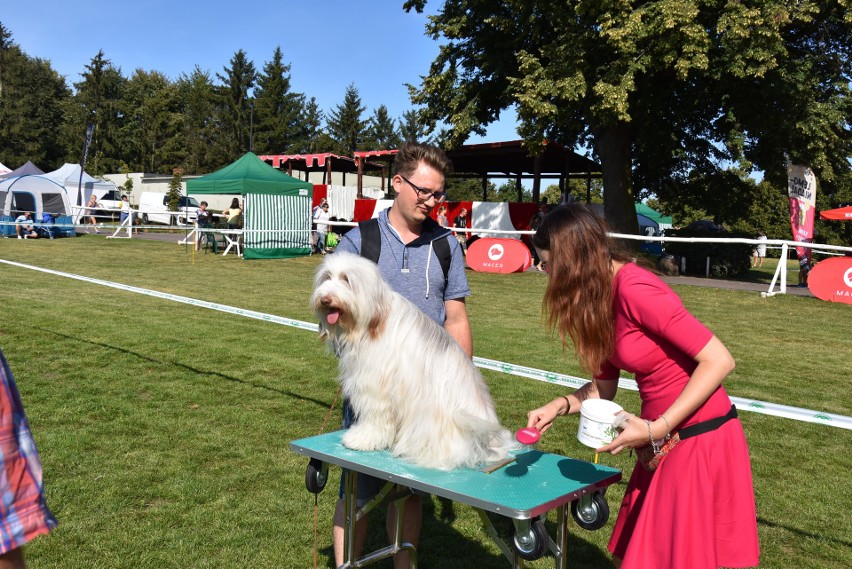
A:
{"points": [[413, 389]]}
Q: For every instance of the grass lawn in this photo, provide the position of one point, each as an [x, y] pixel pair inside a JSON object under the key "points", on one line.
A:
{"points": [[164, 429]]}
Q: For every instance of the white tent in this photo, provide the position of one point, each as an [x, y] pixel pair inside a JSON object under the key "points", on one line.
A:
{"points": [[68, 176], [36, 194], [3, 169]]}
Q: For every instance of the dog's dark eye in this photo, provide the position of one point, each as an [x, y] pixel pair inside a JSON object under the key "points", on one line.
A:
{"points": [[344, 278]]}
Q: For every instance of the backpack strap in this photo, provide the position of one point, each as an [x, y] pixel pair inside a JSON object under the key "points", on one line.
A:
{"points": [[442, 250], [371, 239], [371, 246]]}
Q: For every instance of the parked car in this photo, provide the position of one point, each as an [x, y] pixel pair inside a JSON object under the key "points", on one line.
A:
{"points": [[111, 202], [154, 208]]}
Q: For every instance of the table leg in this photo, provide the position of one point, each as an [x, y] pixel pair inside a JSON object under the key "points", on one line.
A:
{"points": [[350, 490], [561, 552]]}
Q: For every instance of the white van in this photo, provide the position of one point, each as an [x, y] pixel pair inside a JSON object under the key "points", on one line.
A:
{"points": [[154, 208]]}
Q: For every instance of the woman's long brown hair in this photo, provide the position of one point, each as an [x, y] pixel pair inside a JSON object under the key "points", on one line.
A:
{"points": [[578, 299]]}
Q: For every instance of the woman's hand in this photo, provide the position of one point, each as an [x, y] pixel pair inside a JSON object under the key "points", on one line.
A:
{"points": [[542, 418], [634, 434]]}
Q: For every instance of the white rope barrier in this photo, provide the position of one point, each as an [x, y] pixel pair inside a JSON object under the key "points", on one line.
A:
{"points": [[762, 407]]}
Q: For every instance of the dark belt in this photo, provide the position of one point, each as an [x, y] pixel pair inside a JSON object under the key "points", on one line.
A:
{"points": [[707, 426]]}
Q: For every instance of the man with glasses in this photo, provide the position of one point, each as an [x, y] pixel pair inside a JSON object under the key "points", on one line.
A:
{"points": [[410, 265]]}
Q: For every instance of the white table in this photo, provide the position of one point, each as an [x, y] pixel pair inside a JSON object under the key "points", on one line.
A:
{"points": [[232, 240]]}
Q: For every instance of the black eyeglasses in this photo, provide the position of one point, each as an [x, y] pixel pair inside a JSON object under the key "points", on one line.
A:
{"points": [[423, 194]]}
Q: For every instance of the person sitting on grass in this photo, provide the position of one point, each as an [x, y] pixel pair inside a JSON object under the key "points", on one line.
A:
{"points": [[24, 226]]}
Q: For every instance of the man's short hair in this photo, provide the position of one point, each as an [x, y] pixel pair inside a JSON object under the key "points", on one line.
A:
{"points": [[411, 154], [203, 203]]}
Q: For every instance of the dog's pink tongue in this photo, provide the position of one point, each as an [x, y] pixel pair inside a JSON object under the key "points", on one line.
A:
{"points": [[332, 316]]}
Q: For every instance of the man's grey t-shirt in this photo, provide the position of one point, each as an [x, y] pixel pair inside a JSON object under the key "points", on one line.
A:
{"points": [[405, 267]]}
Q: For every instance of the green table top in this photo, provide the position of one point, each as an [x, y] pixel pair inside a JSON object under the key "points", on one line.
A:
{"points": [[535, 483]]}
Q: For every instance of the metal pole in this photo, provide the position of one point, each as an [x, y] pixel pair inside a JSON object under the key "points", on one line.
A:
{"points": [[251, 125]]}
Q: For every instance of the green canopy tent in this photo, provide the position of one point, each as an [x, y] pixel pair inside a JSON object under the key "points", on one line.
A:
{"points": [[663, 221], [277, 220]]}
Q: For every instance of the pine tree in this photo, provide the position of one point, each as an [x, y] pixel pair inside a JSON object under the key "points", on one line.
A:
{"points": [[381, 131], [197, 102], [412, 129], [277, 109], [233, 107], [99, 101], [345, 126]]}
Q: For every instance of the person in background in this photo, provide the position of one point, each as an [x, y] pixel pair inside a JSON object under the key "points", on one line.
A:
{"points": [[805, 266], [695, 508], [24, 514], [535, 223], [233, 214], [91, 211], [321, 218], [410, 265], [759, 251], [460, 222], [125, 208], [24, 226], [441, 218], [203, 220]]}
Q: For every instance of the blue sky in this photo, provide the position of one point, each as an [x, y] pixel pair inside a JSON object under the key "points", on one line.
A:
{"points": [[329, 43]]}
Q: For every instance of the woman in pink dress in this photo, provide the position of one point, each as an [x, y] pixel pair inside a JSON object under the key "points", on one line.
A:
{"points": [[696, 509]]}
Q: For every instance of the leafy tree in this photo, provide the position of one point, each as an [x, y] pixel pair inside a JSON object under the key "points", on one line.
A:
{"points": [[233, 112], [663, 90], [98, 100], [469, 189], [345, 126], [197, 103], [152, 122], [381, 131], [277, 109], [509, 192], [32, 99]]}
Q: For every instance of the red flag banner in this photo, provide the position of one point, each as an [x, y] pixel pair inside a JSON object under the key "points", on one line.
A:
{"points": [[831, 280], [801, 187]]}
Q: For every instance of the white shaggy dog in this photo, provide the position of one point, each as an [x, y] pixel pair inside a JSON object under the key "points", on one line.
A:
{"points": [[413, 389]]}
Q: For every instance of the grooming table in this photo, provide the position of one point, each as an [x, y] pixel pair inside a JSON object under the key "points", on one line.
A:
{"points": [[524, 491]]}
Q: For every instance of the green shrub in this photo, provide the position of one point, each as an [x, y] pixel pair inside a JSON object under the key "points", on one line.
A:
{"points": [[726, 259]]}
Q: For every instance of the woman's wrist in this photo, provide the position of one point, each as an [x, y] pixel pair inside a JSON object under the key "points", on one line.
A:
{"points": [[659, 429], [563, 405]]}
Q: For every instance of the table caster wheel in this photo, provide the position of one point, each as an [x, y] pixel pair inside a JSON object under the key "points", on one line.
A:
{"points": [[591, 511], [316, 475], [530, 544]]}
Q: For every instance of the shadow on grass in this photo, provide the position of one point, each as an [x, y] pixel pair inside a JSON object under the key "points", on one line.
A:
{"points": [[801, 533], [442, 545], [214, 374]]}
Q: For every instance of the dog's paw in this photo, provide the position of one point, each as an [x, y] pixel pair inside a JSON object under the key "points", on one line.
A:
{"points": [[363, 438]]}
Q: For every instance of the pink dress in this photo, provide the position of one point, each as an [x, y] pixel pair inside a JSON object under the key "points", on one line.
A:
{"points": [[697, 509]]}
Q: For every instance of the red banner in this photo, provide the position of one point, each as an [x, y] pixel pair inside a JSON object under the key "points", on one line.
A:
{"points": [[831, 280], [801, 187], [490, 255]]}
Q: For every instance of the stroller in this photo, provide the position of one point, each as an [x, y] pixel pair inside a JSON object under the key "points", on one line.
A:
{"points": [[47, 227]]}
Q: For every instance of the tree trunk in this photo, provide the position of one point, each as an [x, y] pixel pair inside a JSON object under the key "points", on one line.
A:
{"points": [[612, 143]]}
